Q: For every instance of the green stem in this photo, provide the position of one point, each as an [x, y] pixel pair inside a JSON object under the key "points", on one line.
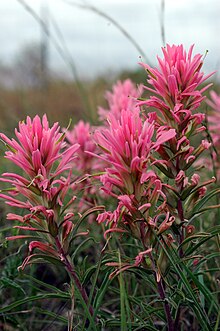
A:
{"points": [[181, 216], [69, 267], [162, 294], [170, 324]]}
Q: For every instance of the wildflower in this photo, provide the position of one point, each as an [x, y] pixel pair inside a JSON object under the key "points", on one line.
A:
{"points": [[176, 82], [127, 146], [81, 134], [124, 96], [38, 148], [85, 166], [42, 190]]}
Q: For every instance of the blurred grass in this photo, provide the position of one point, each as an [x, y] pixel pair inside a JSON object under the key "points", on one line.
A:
{"points": [[61, 100]]}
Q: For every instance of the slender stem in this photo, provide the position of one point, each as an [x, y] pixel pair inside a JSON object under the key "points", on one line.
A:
{"points": [[72, 273], [181, 216], [170, 324], [180, 210], [161, 291]]}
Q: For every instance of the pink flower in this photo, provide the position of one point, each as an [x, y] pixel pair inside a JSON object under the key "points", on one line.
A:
{"points": [[85, 165], [38, 148], [177, 80], [176, 83], [124, 96], [42, 191], [82, 135], [127, 146]]}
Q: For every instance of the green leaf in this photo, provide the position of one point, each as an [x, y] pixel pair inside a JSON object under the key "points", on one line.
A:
{"points": [[203, 201], [202, 288], [43, 284], [96, 270], [7, 282], [205, 259], [43, 258], [53, 315], [217, 322], [86, 310], [86, 214], [193, 237], [76, 250], [177, 264], [40, 297], [212, 232]]}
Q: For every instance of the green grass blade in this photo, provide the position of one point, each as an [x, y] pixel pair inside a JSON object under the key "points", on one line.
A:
{"points": [[122, 300], [176, 263], [31, 299]]}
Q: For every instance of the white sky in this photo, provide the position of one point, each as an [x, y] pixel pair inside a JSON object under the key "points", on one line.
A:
{"points": [[96, 45]]}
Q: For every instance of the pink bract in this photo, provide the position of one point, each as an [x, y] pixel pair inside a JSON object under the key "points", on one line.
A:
{"points": [[39, 152], [127, 145], [124, 96], [38, 147], [177, 81], [81, 134]]}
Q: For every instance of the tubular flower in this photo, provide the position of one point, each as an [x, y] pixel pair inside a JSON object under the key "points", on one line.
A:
{"points": [[82, 135], [176, 82], [42, 191], [124, 96], [85, 164], [39, 153], [38, 148], [127, 146]]}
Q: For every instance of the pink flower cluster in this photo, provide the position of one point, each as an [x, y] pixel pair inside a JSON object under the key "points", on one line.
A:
{"points": [[124, 96], [85, 166], [42, 190], [127, 146], [81, 134], [176, 82]]}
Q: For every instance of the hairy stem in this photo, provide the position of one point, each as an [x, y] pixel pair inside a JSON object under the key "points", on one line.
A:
{"points": [[161, 291], [170, 324], [181, 216], [69, 267]]}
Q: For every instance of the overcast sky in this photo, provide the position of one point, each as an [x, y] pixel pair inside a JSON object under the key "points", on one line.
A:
{"points": [[96, 45]]}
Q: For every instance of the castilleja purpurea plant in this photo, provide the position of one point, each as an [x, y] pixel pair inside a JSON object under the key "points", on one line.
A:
{"points": [[144, 158], [44, 193], [158, 191], [177, 85]]}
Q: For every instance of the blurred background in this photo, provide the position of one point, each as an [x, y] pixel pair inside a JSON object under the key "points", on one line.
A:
{"points": [[59, 56]]}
